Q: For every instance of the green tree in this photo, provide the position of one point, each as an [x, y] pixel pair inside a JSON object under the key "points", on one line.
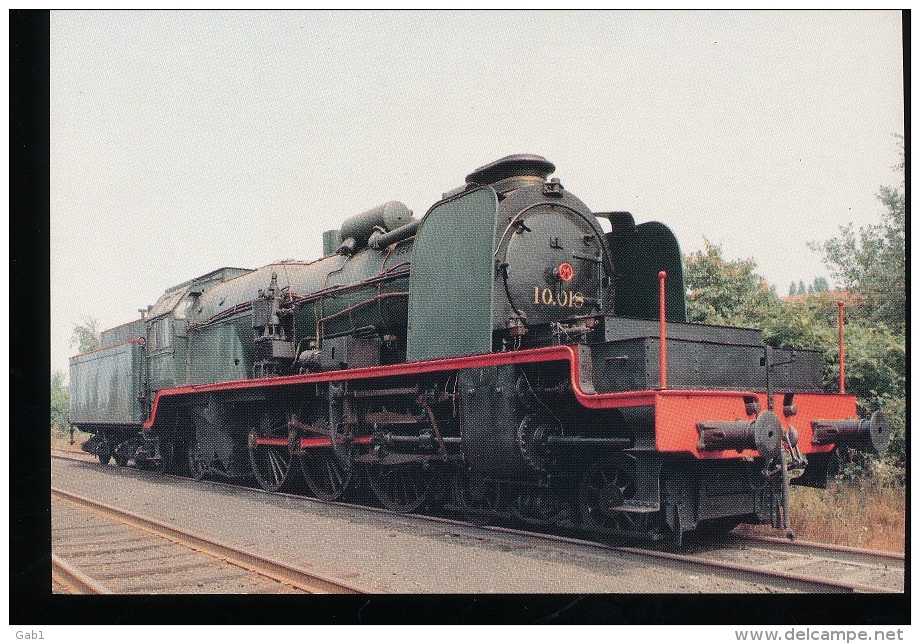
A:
{"points": [[724, 291], [86, 335], [871, 261], [792, 288], [60, 402], [821, 285]]}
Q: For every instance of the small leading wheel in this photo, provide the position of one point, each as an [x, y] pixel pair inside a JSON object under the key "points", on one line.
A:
{"points": [[104, 457], [479, 501], [401, 488], [270, 451], [542, 508], [720, 527], [605, 486], [327, 471]]}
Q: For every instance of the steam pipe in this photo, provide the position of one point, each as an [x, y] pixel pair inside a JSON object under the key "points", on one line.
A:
{"points": [[379, 242], [589, 442]]}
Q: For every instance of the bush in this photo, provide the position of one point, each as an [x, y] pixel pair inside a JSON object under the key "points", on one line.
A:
{"points": [[60, 403]]}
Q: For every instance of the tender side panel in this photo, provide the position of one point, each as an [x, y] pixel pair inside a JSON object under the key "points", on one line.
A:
{"points": [[122, 333], [106, 385]]}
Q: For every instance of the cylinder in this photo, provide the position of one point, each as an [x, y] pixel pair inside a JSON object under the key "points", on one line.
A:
{"points": [[381, 241]]}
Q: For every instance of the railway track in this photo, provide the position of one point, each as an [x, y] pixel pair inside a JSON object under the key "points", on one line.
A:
{"points": [[775, 564], [778, 572], [101, 549]]}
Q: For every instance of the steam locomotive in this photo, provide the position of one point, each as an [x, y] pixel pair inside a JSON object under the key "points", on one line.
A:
{"points": [[504, 356]]}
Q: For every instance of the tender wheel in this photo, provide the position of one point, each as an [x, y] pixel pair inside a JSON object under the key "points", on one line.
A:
{"points": [[104, 450], [272, 462], [121, 459], [604, 487], [197, 463], [401, 488], [326, 471]]}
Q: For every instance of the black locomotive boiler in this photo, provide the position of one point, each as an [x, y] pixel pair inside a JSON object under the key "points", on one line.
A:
{"points": [[503, 355]]}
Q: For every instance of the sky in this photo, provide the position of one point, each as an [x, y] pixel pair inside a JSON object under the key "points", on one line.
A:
{"points": [[184, 142]]}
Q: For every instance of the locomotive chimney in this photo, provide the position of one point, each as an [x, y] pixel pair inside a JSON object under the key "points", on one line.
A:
{"points": [[512, 172]]}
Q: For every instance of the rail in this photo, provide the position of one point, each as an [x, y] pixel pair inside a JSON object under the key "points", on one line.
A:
{"points": [[67, 575], [843, 553]]}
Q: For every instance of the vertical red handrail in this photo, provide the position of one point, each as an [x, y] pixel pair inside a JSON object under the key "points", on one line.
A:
{"points": [[662, 331], [840, 306]]}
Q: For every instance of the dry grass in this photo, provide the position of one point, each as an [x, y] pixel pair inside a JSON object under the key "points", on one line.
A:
{"points": [[61, 440], [868, 513]]}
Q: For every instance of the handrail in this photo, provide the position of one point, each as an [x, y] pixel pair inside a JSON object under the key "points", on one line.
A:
{"points": [[663, 332]]}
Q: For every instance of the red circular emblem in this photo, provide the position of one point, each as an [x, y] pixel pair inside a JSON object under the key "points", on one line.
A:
{"points": [[566, 272]]}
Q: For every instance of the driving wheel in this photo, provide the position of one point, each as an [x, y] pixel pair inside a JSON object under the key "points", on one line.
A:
{"points": [[270, 451], [402, 487]]}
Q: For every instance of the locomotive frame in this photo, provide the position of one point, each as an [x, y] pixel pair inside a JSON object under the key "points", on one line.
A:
{"points": [[503, 355]]}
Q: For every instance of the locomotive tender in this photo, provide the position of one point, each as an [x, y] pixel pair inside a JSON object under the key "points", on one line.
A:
{"points": [[503, 355]]}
